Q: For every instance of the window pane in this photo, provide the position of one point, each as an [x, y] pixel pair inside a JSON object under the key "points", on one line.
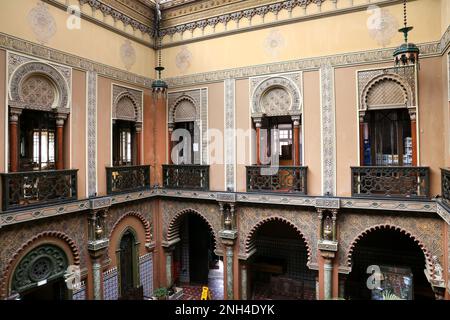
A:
{"points": [[51, 146], [36, 148], [128, 147], [44, 148]]}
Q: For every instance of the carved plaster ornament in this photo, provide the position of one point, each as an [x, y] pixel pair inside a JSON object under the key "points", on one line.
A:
{"points": [[274, 42], [381, 24], [42, 23], [128, 54], [183, 59]]}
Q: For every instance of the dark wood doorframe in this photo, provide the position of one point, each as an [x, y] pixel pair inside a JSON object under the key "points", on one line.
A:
{"points": [[128, 265]]}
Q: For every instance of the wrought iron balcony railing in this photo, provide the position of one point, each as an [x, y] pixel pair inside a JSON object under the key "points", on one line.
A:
{"points": [[289, 179], [445, 185], [192, 177], [37, 188], [127, 179], [394, 182]]}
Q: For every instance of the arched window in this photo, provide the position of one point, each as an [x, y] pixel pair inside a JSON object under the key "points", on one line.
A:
{"points": [[387, 122]]}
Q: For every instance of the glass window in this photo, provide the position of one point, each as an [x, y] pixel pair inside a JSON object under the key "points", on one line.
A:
{"points": [[389, 142]]}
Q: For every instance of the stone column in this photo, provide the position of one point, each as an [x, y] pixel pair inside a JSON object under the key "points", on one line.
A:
{"points": [[168, 254], [328, 244], [244, 280], [97, 240], [327, 279], [97, 278], [296, 140], [230, 279], [138, 127], [258, 140], [60, 142], [362, 130], [14, 115]]}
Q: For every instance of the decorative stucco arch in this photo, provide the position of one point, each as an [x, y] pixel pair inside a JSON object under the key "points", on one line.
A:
{"points": [[250, 237], [35, 68], [141, 218], [417, 240], [277, 82], [398, 87], [173, 229], [124, 111], [179, 103], [34, 242]]}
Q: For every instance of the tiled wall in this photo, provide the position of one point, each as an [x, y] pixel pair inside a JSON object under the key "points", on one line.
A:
{"points": [[146, 274], [111, 284], [80, 293]]}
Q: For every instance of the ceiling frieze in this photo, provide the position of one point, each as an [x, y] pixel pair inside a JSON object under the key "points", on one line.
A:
{"points": [[133, 8], [121, 12]]}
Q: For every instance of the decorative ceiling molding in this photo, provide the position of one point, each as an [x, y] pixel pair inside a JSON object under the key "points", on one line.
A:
{"points": [[146, 28], [126, 17], [210, 13]]}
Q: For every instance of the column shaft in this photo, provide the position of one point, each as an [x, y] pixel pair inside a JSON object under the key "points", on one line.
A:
{"points": [[14, 144], [60, 145], [327, 279], [138, 147], [244, 284], [96, 267], [229, 272]]}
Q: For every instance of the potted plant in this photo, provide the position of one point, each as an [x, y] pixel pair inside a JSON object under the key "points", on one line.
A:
{"points": [[161, 293]]}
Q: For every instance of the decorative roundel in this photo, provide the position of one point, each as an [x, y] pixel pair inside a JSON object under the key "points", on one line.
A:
{"points": [[46, 262]]}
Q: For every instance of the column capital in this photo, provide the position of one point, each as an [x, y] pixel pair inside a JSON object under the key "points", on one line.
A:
{"points": [[296, 120], [14, 114], [138, 126], [171, 126], [362, 115], [257, 121], [412, 113]]}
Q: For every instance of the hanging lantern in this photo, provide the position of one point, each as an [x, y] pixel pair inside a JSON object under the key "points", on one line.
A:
{"points": [[408, 53], [158, 83]]}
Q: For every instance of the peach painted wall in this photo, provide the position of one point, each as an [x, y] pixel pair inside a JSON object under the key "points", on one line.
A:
{"points": [[446, 106], [347, 122], [431, 120], [243, 123], [216, 121], [104, 152], [3, 110], [79, 130], [311, 123]]}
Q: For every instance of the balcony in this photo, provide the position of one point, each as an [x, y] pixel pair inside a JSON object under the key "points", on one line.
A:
{"points": [[191, 177], [127, 179], [391, 182], [37, 188], [445, 186], [284, 179]]}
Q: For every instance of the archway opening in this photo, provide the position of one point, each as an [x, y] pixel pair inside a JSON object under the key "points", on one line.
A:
{"points": [[195, 262], [400, 261], [278, 269], [128, 256]]}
